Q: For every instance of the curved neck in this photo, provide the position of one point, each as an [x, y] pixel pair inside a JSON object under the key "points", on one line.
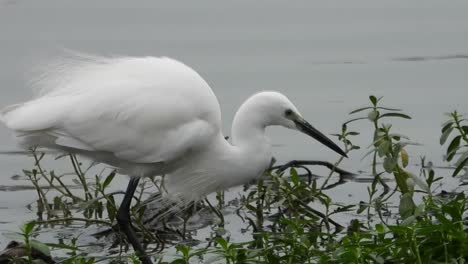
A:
{"points": [[248, 127]]}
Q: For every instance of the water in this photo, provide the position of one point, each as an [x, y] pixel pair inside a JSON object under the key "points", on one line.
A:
{"points": [[326, 56]]}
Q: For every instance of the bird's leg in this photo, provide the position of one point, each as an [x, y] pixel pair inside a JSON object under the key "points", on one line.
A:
{"points": [[125, 224]]}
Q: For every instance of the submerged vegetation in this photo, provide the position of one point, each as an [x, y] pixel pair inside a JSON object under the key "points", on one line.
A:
{"points": [[288, 216]]}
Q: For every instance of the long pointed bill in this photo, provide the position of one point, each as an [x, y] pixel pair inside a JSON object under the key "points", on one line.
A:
{"points": [[305, 127]]}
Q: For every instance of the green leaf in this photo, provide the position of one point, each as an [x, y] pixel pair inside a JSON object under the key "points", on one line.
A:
{"points": [[452, 147], [373, 115], [410, 184], [408, 221], [407, 206], [400, 177], [223, 243], [395, 115], [384, 148], [447, 126], [294, 176], [373, 100], [419, 210], [430, 178], [389, 164], [39, 246], [463, 156], [185, 250], [445, 135], [460, 167], [343, 128], [380, 228], [108, 179], [360, 109], [110, 206], [354, 119], [465, 129], [250, 207], [404, 158], [28, 228]]}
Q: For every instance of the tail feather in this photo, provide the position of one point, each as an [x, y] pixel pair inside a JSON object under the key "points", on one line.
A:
{"points": [[38, 114], [4, 112], [34, 123]]}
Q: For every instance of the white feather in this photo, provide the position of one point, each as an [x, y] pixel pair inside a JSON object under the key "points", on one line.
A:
{"points": [[149, 116], [135, 108]]}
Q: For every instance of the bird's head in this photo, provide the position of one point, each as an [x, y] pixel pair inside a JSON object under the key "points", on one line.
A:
{"points": [[275, 109]]}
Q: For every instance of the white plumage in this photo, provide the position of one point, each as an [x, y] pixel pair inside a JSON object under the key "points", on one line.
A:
{"points": [[149, 116]]}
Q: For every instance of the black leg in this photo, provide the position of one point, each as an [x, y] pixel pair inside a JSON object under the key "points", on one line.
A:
{"points": [[125, 224]]}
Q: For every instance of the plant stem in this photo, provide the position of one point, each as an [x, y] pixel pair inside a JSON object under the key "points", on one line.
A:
{"points": [[459, 127], [43, 174], [416, 248], [52, 221], [80, 175]]}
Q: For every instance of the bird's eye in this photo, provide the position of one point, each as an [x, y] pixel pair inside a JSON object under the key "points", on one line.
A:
{"points": [[288, 112]]}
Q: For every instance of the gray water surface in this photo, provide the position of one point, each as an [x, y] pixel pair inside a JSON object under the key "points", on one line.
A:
{"points": [[327, 57]]}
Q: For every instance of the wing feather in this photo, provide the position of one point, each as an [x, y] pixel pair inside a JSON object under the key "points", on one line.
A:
{"points": [[142, 110]]}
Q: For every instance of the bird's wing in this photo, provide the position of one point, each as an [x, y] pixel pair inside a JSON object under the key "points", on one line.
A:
{"points": [[141, 109]]}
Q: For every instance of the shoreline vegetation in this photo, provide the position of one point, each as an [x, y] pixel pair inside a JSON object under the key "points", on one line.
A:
{"points": [[287, 215]]}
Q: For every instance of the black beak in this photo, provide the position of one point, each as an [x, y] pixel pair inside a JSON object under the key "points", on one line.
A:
{"points": [[308, 129]]}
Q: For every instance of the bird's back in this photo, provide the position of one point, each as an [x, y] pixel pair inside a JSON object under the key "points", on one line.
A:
{"points": [[141, 110]]}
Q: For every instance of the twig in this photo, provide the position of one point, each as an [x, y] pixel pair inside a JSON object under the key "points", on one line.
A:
{"points": [[325, 217], [37, 163], [70, 219], [81, 176], [296, 163]]}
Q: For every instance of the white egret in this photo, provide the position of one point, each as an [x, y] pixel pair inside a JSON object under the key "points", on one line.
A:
{"points": [[149, 116]]}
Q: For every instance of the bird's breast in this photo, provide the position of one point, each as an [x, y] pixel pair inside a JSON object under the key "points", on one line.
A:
{"points": [[215, 170]]}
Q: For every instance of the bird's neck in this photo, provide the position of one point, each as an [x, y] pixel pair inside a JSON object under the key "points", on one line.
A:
{"points": [[248, 127]]}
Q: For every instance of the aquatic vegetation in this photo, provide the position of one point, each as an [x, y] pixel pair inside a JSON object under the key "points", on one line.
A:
{"points": [[459, 144], [288, 216]]}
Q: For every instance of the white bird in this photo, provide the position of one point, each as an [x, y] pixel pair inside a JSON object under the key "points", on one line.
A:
{"points": [[151, 116]]}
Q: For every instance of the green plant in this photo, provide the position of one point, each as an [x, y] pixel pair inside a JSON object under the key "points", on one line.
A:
{"points": [[459, 144], [289, 214]]}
